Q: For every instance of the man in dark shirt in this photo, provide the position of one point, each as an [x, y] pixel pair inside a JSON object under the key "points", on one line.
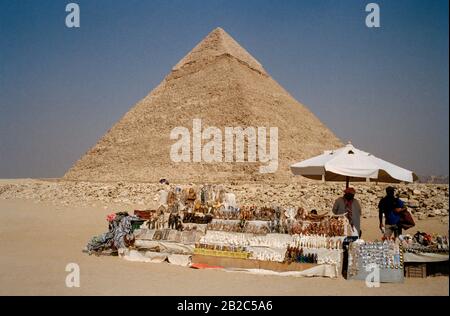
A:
{"points": [[390, 206]]}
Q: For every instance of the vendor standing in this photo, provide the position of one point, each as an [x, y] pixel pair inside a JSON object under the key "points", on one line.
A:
{"points": [[348, 204]]}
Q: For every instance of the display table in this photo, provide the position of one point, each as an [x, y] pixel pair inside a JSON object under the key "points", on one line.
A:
{"points": [[366, 260], [424, 257], [423, 264]]}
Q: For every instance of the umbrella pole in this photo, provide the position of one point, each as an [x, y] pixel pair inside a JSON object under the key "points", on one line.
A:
{"points": [[347, 180]]}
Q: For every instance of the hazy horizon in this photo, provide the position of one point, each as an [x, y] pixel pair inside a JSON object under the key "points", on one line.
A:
{"points": [[384, 89]]}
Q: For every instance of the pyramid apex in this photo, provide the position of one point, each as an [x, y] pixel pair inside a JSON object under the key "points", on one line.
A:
{"points": [[217, 35], [218, 29], [218, 42]]}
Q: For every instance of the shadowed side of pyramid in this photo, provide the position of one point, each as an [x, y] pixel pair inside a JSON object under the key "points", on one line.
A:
{"points": [[221, 84]]}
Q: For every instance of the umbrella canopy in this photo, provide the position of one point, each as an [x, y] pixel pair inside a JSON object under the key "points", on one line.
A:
{"points": [[351, 164]]}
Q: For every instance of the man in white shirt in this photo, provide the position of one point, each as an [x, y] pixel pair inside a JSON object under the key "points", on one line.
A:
{"points": [[350, 206]]}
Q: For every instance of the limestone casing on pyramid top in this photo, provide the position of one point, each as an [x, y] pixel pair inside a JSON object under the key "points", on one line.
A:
{"points": [[218, 43]]}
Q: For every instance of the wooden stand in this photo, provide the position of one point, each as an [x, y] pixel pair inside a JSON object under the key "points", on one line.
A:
{"points": [[425, 269], [227, 262]]}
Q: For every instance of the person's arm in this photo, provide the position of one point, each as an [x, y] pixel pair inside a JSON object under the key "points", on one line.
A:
{"points": [[400, 206], [335, 206], [358, 207], [380, 213]]}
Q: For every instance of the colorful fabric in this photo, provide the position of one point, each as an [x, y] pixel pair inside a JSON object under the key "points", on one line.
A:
{"points": [[111, 217], [120, 231], [349, 209]]}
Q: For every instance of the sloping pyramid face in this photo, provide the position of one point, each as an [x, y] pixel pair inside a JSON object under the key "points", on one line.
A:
{"points": [[220, 83]]}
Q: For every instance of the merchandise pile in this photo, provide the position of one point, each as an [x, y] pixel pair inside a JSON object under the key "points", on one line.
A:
{"points": [[422, 242], [119, 235], [206, 221], [386, 257]]}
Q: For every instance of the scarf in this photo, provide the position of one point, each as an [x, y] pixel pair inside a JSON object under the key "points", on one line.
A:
{"points": [[349, 209]]}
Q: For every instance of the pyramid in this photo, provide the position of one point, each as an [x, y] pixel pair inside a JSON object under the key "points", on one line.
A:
{"points": [[220, 83]]}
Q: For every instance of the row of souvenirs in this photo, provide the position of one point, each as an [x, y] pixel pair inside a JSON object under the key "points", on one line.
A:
{"points": [[277, 247], [212, 206], [279, 241], [229, 248], [202, 199], [329, 226], [422, 242], [214, 200], [323, 225], [187, 237], [296, 254], [271, 247]]}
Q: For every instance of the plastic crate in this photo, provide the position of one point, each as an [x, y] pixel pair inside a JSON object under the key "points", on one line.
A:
{"points": [[416, 270]]}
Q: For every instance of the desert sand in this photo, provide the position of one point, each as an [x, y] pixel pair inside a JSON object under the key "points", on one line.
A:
{"points": [[39, 238]]}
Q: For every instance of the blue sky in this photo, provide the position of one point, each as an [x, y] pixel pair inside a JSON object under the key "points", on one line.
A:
{"points": [[385, 89]]}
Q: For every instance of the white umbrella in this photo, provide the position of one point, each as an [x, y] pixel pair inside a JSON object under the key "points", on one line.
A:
{"points": [[351, 164]]}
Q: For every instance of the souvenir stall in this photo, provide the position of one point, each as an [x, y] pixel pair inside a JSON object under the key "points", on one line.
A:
{"points": [[419, 256], [352, 164], [204, 226]]}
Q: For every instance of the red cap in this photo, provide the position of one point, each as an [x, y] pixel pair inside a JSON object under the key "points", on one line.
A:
{"points": [[350, 190]]}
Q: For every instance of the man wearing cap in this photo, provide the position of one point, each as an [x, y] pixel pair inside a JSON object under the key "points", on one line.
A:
{"points": [[390, 206], [348, 204]]}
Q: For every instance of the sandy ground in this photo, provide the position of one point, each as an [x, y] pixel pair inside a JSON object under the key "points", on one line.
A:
{"points": [[38, 240]]}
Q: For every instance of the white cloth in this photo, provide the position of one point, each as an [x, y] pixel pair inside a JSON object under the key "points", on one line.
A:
{"points": [[230, 201], [179, 260], [139, 256], [323, 270], [424, 257], [155, 257], [165, 246], [163, 197]]}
